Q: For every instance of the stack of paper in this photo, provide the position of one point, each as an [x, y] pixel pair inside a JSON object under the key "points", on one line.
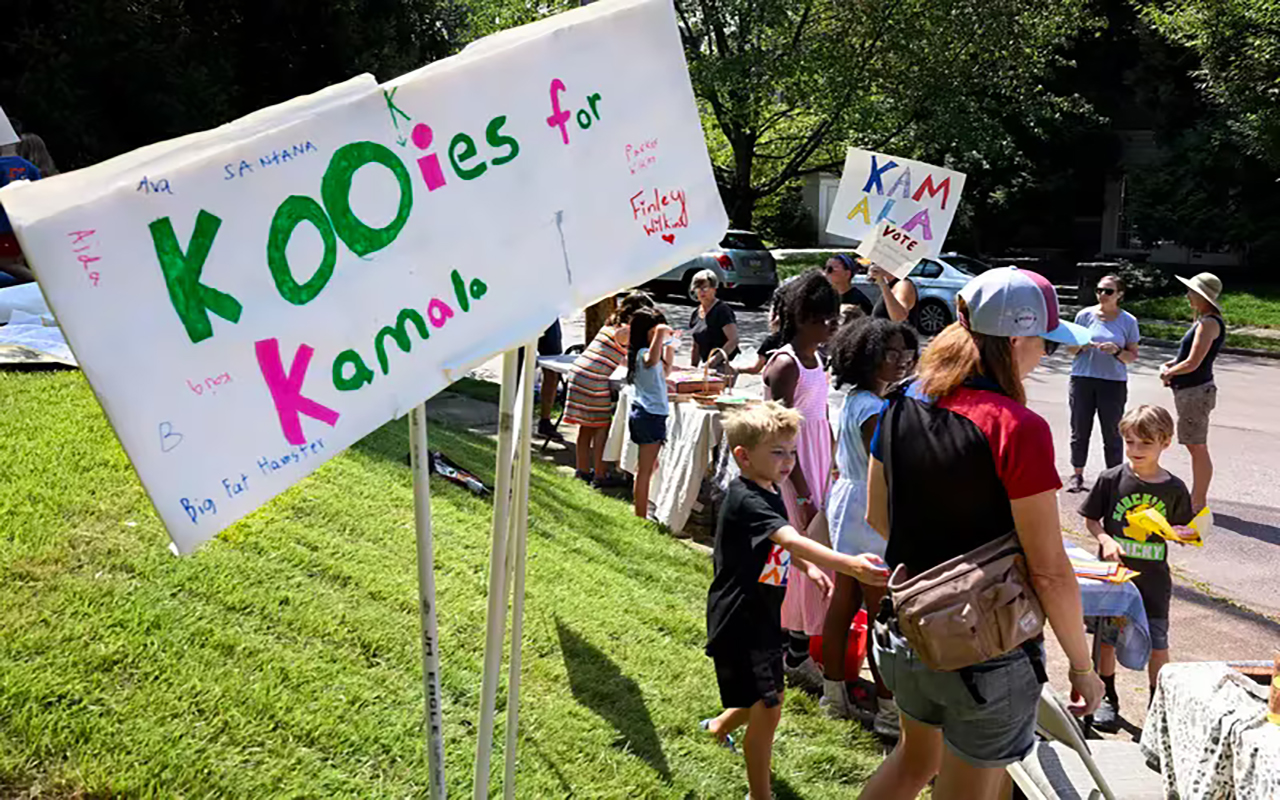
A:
{"points": [[1110, 571]]}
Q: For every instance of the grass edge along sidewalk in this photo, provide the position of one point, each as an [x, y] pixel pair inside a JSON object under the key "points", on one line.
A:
{"points": [[283, 658]]}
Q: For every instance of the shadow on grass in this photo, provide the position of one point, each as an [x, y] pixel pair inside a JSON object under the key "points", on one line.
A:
{"points": [[598, 683]]}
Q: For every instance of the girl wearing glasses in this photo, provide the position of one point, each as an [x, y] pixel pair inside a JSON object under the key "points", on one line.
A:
{"points": [[1100, 377], [868, 355]]}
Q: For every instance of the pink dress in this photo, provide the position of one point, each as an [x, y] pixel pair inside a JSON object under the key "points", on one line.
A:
{"points": [[804, 608]]}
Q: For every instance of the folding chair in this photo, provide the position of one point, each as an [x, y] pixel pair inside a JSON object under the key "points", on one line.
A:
{"points": [[1066, 766]]}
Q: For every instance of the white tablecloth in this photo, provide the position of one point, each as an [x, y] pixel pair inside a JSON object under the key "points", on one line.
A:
{"points": [[692, 435], [1207, 729]]}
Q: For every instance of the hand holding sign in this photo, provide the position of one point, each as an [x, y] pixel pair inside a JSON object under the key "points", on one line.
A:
{"points": [[890, 249]]}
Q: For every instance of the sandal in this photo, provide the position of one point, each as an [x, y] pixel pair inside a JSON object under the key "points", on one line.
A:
{"points": [[726, 742]]}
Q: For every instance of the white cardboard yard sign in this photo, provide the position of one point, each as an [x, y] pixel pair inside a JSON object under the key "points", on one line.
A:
{"points": [[880, 192], [248, 301]]}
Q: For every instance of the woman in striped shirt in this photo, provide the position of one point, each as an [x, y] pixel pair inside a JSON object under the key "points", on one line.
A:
{"points": [[589, 402]]}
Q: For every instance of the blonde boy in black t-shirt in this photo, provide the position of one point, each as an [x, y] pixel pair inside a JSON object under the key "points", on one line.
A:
{"points": [[1137, 484], [755, 550]]}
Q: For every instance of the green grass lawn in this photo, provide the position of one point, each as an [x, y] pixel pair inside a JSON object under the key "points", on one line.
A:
{"points": [[1257, 306], [1174, 333], [282, 660]]}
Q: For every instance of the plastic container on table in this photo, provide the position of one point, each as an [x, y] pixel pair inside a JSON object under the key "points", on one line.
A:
{"points": [[855, 652]]}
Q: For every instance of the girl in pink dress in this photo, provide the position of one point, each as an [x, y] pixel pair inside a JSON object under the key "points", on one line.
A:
{"points": [[796, 376]]}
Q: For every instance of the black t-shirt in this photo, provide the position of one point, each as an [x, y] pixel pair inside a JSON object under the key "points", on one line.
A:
{"points": [[771, 342], [744, 605], [1119, 491], [855, 297], [881, 311], [708, 332]]}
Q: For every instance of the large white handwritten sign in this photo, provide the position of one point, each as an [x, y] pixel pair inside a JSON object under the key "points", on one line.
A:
{"points": [[248, 301], [913, 197]]}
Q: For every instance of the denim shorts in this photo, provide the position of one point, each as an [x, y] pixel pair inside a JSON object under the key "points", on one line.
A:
{"points": [[646, 427], [993, 733]]}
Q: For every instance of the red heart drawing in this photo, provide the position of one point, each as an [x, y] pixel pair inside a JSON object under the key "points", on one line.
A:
{"points": [[669, 238]]}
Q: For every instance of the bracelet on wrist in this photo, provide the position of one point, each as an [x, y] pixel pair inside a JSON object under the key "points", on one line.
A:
{"points": [[1073, 671]]}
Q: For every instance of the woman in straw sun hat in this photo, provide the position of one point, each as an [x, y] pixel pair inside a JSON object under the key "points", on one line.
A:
{"points": [[1190, 375]]}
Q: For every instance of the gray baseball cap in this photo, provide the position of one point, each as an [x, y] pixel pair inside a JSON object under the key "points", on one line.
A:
{"points": [[1016, 302]]}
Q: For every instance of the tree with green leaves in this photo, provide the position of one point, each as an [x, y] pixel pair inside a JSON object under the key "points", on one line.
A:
{"points": [[1238, 45], [786, 85], [97, 78]]}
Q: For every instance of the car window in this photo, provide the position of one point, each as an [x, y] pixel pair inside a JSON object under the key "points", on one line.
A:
{"points": [[742, 241], [927, 269]]}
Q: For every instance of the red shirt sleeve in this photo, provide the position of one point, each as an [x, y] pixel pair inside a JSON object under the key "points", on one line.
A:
{"points": [[1023, 449]]}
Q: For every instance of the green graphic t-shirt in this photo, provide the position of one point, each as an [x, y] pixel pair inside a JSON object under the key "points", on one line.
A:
{"points": [[1118, 492]]}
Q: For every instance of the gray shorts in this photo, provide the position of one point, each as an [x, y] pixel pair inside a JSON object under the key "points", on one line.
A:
{"points": [[1194, 404], [995, 733]]}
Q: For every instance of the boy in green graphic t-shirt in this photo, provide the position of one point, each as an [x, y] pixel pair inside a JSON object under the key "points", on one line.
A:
{"points": [[1139, 484]]}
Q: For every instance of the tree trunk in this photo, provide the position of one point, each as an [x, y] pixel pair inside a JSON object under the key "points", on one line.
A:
{"points": [[744, 197], [598, 314]]}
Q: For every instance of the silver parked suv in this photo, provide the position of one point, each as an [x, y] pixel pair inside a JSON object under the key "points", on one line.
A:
{"points": [[744, 265]]}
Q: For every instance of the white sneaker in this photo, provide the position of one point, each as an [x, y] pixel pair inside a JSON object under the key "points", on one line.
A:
{"points": [[886, 723], [807, 676], [835, 701]]}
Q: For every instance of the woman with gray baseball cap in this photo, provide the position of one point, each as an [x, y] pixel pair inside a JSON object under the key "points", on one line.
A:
{"points": [[959, 461], [1190, 375]]}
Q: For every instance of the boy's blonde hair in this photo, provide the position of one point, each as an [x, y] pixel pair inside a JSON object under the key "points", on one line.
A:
{"points": [[1148, 423], [754, 424]]}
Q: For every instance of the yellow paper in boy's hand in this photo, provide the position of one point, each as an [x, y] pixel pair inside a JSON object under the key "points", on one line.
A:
{"points": [[1146, 522], [1149, 522]]}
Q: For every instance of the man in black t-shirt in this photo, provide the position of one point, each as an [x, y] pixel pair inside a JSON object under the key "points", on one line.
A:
{"points": [[755, 550], [1139, 484]]}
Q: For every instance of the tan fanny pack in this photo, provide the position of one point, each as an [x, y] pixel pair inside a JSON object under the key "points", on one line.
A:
{"points": [[970, 609]]}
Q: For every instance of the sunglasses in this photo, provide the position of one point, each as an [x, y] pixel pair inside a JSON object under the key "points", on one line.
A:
{"points": [[1106, 291], [1050, 347]]}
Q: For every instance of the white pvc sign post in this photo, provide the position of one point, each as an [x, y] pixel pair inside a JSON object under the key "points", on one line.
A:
{"points": [[913, 197], [249, 301]]}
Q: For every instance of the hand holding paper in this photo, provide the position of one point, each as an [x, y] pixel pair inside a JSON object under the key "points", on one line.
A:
{"points": [[1149, 522]]}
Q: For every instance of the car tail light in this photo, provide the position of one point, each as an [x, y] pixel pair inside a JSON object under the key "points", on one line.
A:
{"points": [[725, 262]]}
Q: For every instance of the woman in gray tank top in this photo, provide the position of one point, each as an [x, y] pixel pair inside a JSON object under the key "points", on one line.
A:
{"points": [[1190, 375]]}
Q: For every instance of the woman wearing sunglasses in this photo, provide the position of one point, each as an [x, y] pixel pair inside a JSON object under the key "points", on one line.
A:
{"points": [[1100, 377]]}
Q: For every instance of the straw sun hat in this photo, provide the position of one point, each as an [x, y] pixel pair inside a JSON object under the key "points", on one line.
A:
{"points": [[1207, 285]]}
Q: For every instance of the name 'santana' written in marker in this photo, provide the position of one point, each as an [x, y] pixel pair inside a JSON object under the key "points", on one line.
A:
{"points": [[274, 158]]}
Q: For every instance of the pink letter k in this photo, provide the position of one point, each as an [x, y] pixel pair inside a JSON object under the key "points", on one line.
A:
{"points": [[286, 390]]}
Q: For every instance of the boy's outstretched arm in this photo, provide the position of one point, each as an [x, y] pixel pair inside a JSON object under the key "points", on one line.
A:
{"points": [[867, 569]]}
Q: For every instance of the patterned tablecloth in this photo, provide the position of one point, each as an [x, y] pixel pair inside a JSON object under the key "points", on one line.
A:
{"points": [[1207, 730]]}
